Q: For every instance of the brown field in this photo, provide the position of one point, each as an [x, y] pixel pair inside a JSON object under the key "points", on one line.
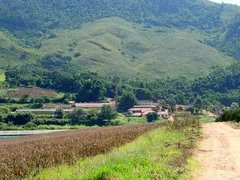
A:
{"points": [[33, 92], [21, 156]]}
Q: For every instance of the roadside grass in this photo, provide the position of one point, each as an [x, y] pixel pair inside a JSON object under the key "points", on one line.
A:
{"points": [[161, 154], [205, 119]]}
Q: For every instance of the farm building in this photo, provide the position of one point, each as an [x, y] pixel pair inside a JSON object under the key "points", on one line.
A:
{"points": [[42, 111], [180, 107], [148, 103], [163, 114], [144, 109], [92, 105], [57, 106]]}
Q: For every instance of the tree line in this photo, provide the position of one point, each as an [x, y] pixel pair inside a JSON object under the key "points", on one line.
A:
{"points": [[221, 86]]}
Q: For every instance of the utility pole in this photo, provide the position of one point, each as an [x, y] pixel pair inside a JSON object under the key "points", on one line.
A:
{"points": [[116, 95], [116, 80]]}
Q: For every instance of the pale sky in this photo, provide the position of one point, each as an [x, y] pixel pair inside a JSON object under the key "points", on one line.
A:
{"points": [[235, 2]]}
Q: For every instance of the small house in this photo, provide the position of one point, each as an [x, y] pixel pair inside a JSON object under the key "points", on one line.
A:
{"points": [[163, 114]]}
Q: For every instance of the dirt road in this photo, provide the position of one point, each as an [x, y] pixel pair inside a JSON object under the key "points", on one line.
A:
{"points": [[219, 153]]}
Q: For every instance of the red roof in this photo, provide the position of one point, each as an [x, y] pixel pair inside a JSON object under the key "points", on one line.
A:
{"points": [[147, 112]]}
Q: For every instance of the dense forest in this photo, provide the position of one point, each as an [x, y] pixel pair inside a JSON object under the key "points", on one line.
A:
{"points": [[42, 15], [32, 19]]}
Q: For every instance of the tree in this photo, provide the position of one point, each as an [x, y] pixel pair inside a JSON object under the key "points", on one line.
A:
{"points": [[59, 113], [37, 102], [24, 98], [93, 116], [234, 106], [19, 118], [143, 94], [91, 90], [107, 113], [151, 117], [78, 116], [171, 102], [127, 101], [198, 104]]}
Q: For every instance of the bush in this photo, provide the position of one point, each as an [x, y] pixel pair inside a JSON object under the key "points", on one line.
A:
{"points": [[78, 117], [49, 121], [30, 125], [93, 117], [232, 115], [3, 126], [127, 101], [19, 118], [151, 117], [107, 113], [59, 113]]}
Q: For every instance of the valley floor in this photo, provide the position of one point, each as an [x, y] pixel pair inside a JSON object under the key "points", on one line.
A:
{"points": [[219, 153]]}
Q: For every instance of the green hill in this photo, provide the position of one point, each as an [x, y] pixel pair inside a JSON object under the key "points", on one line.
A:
{"points": [[114, 46], [12, 53], [130, 38]]}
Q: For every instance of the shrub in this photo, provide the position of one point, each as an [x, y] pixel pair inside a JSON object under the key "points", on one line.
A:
{"points": [[59, 113], [49, 121], [151, 117], [107, 113], [77, 55], [78, 117], [232, 115], [127, 101], [30, 125], [19, 118]]}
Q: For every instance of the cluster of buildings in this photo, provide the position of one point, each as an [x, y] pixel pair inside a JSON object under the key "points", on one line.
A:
{"points": [[140, 110], [68, 108], [146, 107]]}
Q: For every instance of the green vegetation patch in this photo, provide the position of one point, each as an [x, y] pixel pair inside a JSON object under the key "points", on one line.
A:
{"points": [[2, 77], [205, 119], [160, 154]]}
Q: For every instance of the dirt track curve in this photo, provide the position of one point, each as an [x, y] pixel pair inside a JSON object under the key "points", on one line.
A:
{"points": [[219, 153]]}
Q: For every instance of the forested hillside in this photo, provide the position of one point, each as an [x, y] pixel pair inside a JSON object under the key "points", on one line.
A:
{"points": [[33, 20], [41, 15], [231, 42], [158, 48]]}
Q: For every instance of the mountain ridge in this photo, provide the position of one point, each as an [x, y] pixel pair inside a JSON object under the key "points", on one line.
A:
{"points": [[160, 39]]}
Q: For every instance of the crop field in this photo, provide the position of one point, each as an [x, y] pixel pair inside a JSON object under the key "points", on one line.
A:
{"points": [[33, 92], [21, 156], [163, 153]]}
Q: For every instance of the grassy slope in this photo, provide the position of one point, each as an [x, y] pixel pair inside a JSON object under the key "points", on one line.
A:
{"points": [[114, 46], [148, 157], [2, 77], [12, 53]]}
